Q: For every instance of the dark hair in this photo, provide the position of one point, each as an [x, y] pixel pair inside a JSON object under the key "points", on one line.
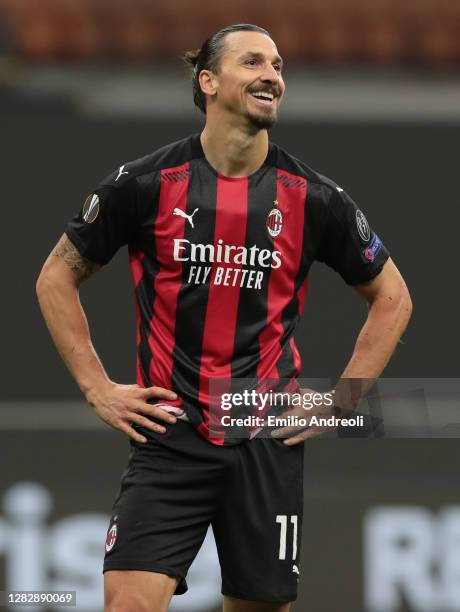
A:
{"points": [[208, 57]]}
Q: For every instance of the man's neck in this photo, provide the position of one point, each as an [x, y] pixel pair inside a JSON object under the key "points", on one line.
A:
{"points": [[232, 151]]}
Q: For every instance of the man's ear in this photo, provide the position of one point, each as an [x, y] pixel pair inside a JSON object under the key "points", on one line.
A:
{"points": [[208, 82]]}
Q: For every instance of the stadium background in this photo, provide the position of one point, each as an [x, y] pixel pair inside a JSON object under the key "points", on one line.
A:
{"points": [[373, 101]]}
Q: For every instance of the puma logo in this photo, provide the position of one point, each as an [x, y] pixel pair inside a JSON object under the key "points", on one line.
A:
{"points": [[181, 213], [120, 172]]}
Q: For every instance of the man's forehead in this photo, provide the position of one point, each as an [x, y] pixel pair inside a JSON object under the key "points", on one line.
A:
{"points": [[238, 43]]}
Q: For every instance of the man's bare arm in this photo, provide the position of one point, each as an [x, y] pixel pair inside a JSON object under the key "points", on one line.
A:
{"points": [[58, 294], [81, 267], [390, 308], [57, 290]]}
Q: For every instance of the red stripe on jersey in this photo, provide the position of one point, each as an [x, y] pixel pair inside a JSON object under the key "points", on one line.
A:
{"points": [[291, 203], [135, 260], [295, 352], [168, 281], [222, 307]]}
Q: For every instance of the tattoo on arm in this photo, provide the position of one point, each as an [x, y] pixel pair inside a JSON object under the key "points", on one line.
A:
{"points": [[82, 268]]}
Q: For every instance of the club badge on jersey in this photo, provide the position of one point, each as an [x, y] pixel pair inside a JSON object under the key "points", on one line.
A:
{"points": [[111, 538], [275, 221]]}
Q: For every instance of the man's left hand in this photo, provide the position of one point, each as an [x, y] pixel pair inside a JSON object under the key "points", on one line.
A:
{"points": [[322, 409]]}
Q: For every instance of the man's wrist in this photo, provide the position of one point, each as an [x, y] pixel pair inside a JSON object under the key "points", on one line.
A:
{"points": [[92, 391], [348, 393]]}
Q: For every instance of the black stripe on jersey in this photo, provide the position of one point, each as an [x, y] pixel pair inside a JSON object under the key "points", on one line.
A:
{"points": [[145, 291], [252, 314], [145, 296], [192, 300]]}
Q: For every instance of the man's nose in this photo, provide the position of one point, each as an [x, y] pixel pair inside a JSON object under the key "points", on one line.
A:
{"points": [[269, 74]]}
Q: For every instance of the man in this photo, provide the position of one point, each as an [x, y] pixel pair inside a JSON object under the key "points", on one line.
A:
{"points": [[222, 229]]}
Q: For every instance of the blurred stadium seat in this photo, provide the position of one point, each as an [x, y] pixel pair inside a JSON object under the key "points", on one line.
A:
{"points": [[330, 31]]}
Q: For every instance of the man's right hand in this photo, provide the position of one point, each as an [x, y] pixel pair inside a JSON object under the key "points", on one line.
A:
{"points": [[122, 405]]}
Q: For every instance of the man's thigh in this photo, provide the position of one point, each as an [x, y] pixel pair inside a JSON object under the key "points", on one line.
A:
{"points": [[258, 524], [166, 502], [137, 591]]}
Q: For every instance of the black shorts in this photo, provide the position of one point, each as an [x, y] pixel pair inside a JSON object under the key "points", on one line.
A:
{"points": [[178, 483]]}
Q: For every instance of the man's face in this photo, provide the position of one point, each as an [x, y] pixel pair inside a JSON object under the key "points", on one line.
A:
{"points": [[249, 81]]}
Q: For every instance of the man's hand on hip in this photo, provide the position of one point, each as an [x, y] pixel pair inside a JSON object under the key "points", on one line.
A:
{"points": [[123, 405], [322, 408]]}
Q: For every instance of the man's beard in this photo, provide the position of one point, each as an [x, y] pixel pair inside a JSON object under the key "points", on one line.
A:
{"points": [[262, 122]]}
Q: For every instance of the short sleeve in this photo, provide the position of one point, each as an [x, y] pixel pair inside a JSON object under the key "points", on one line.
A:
{"points": [[106, 221], [348, 244]]}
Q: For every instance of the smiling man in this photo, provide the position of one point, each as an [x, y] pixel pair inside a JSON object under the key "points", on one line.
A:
{"points": [[222, 229]]}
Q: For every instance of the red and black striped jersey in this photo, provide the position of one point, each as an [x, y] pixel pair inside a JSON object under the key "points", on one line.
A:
{"points": [[220, 265]]}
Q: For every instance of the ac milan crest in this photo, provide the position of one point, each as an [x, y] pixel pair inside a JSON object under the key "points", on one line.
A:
{"points": [[111, 538], [274, 222]]}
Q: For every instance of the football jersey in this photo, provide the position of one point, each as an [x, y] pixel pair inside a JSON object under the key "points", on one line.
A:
{"points": [[220, 264]]}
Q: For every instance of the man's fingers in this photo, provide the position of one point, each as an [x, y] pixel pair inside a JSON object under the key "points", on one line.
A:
{"points": [[137, 437], [285, 432], [156, 411], [147, 423], [297, 439], [313, 432], [159, 392], [289, 430]]}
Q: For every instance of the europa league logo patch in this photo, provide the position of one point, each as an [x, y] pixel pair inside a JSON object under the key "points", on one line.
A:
{"points": [[90, 208], [364, 230], [275, 222], [111, 538]]}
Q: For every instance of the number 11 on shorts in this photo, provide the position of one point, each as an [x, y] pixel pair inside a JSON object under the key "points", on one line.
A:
{"points": [[282, 519]]}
